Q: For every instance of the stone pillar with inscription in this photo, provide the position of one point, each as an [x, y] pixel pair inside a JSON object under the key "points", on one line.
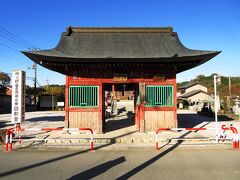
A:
{"points": [[18, 96]]}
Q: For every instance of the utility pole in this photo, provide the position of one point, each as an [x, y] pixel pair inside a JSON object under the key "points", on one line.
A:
{"points": [[229, 97], [34, 66], [230, 88], [216, 80], [47, 80]]}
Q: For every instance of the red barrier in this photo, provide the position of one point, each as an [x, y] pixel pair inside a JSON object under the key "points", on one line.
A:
{"points": [[234, 130], [10, 139], [175, 129], [88, 129], [235, 135], [223, 136], [9, 134]]}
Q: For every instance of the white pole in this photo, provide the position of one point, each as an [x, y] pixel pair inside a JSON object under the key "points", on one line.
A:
{"points": [[215, 106]]}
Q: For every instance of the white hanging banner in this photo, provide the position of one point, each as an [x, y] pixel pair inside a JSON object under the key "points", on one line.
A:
{"points": [[18, 96]]}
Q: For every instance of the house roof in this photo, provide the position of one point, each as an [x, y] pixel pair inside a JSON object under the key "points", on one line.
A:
{"points": [[192, 93], [148, 45], [186, 86]]}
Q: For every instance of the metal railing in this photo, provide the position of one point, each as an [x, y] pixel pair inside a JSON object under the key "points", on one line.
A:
{"points": [[224, 128], [9, 135]]}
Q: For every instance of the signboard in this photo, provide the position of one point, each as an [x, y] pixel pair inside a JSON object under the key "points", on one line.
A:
{"points": [[218, 79], [60, 104], [120, 77], [142, 92], [18, 96], [159, 78]]}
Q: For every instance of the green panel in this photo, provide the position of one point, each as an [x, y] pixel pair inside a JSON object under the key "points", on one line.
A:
{"points": [[83, 96], [160, 96]]}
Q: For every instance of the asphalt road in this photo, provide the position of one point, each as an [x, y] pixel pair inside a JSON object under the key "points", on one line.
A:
{"points": [[168, 163]]}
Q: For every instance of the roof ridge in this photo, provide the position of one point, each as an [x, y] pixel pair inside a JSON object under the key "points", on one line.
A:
{"points": [[119, 29]]}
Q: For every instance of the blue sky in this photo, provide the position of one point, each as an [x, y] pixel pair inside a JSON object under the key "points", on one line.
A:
{"points": [[204, 25]]}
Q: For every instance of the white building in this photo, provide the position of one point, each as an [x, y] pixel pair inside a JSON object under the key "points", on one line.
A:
{"points": [[196, 94]]}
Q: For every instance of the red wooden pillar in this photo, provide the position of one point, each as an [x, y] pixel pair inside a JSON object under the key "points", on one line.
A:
{"points": [[113, 90], [136, 108], [175, 101], [66, 104], [136, 116], [142, 117], [100, 108]]}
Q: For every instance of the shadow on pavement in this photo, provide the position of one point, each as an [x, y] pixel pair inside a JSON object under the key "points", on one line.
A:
{"points": [[97, 170], [113, 125], [31, 166], [154, 159], [191, 120], [4, 124], [116, 124], [110, 164], [46, 118]]}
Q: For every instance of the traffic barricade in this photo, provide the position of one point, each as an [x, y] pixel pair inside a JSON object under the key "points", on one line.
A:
{"points": [[235, 135], [9, 135], [224, 128]]}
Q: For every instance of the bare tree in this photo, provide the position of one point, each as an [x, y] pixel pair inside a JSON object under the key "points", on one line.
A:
{"points": [[4, 78]]}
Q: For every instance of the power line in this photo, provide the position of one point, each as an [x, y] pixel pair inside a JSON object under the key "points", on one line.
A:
{"points": [[14, 41], [8, 68], [4, 55], [7, 56], [47, 80], [9, 47], [15, 37]]}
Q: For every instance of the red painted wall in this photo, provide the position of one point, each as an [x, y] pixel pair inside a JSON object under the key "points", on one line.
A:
{"points": [[139, 112]]}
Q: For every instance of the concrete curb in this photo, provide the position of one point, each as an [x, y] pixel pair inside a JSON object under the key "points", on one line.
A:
{"points": [[119, 147]]}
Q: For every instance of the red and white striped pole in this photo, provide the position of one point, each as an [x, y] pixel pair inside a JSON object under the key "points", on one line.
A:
{"points": [[235, 138], [91, 140], [10, 139], [235, 135], [7, 138], [156, 136], [156, 139]]}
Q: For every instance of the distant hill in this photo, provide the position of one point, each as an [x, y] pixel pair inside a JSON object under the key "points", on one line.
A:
{"points": [[223, 88]]}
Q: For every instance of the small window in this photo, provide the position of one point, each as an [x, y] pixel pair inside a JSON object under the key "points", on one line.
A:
{"points": [[159, 96], [83, 96]]}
